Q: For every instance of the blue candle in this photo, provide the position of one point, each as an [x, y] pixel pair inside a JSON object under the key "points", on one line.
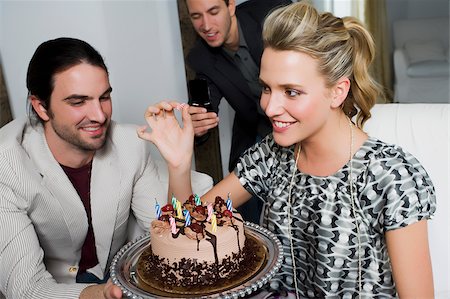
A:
{"points": [[158, 210], [187, 217], [229, 203]]}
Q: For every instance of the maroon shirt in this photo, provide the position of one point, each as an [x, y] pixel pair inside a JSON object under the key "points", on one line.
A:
{"points": [[81, 180]]}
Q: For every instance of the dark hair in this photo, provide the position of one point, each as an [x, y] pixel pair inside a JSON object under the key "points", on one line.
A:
{"points": [[227, 2], [53, 57]]}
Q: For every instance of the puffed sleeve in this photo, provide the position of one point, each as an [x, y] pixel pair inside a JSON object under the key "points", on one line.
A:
{"points": [[403, 188]]}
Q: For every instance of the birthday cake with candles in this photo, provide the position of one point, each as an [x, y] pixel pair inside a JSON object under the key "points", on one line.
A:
{"points": [[193, 245]]}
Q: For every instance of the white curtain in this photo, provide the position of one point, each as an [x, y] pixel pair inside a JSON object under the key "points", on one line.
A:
{"points": [[342, 8]]}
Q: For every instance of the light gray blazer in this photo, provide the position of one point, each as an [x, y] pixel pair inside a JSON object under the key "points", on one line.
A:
{"points": [[43, 223]]}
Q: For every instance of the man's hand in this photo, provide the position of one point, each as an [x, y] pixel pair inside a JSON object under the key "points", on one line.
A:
{"points": [[112, 291], [106, 291], [202, 120]]}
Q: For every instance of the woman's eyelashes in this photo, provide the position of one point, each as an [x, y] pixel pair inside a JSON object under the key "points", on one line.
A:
{"points": [[293, 91], [290, 92]]}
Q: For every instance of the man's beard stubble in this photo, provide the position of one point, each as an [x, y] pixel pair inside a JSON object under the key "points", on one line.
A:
{"points": [[72, 137]]}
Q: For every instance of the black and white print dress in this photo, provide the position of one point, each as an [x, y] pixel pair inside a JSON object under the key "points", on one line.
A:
{"points": [[391, 188]]}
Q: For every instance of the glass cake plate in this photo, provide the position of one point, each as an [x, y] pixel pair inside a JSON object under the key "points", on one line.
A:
{"points": [[125, 263]]}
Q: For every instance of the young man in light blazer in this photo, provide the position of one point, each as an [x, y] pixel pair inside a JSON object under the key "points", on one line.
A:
{"points": [[69, 177]]}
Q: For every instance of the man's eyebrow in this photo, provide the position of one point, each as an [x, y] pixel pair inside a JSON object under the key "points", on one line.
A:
{"points": [[76, 97], [84, 97], [213, 8], [209, 10], [109, 90]]}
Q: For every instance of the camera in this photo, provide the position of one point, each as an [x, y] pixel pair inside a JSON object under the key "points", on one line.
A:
{"points": [[199, 93]]}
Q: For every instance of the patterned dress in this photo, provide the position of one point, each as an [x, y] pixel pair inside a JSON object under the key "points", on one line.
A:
{"points": [[391, 189]]}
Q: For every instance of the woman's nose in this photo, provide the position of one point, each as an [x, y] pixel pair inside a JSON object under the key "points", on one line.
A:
{"points": [[271, 104]]}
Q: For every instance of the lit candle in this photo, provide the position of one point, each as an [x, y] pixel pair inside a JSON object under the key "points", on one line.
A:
{"points": [[158, 209], [198, 202], [173, 225], [229, 204], [187, 217], [214, 223], [179, 211], [210, 211], [174, 202]]}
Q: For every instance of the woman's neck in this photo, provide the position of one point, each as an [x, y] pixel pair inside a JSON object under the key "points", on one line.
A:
{"points": [[328, 151]]}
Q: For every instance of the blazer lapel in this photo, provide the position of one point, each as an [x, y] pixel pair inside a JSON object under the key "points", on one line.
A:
{"points": [[232, 73], [105, 195], [253, 37], [58, 184]]}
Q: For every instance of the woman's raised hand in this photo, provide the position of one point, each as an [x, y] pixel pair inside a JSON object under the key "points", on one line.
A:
{"points": [[175, 142]]}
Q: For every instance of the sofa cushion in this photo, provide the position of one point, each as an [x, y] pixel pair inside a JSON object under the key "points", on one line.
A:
{"points": [[429, 69], [419, 51]]}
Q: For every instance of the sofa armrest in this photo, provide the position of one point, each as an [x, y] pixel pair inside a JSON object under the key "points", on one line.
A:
{"points": [[400, 65]]}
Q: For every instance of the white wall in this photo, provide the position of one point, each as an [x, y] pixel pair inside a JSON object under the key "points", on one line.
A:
{"points": [[140, 41]]}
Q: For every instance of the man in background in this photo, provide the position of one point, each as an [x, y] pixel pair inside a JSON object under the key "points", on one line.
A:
{"points": [[228, 56]]}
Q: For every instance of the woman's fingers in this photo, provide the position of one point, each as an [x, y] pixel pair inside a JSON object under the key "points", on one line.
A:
{"points": [[186, 117], [161, 117], [143, 134], [161, 109]]}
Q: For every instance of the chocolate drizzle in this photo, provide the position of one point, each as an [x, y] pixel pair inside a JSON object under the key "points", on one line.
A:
{"points": [[213, 240], [180, 231], [236, 228]]}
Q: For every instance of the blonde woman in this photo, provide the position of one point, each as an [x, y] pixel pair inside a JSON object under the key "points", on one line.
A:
{"points": [[350, 210]]}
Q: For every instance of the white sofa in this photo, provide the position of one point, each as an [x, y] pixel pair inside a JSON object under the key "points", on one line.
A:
{"points": [[423, 130], [421, 60]]}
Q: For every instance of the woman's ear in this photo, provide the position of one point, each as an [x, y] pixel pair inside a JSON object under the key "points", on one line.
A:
{"points": [[39, 107], [340, 92]]}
